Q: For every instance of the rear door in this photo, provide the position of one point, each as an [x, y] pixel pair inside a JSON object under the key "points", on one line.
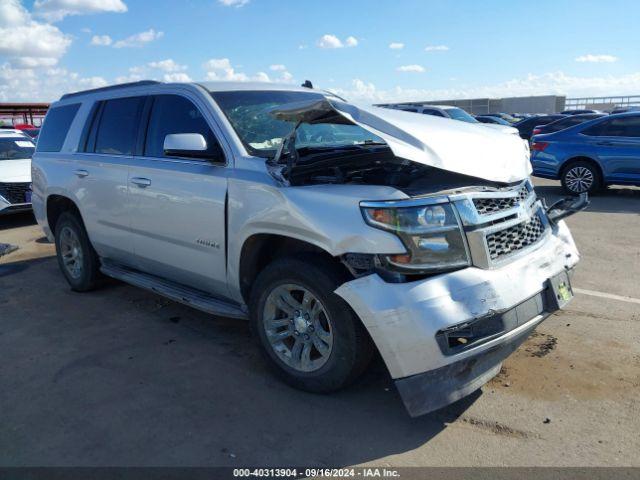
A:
{"points": [[101, 169], [178, 204], [616, 142]]}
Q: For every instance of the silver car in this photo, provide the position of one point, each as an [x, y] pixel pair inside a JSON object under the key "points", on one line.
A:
{"points": [[335, 230]]}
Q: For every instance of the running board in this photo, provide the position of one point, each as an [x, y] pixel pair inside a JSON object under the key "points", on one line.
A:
{"points": [[174, 291]]}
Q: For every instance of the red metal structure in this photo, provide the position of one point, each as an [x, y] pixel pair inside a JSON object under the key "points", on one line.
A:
{"points": [[23, 113]]}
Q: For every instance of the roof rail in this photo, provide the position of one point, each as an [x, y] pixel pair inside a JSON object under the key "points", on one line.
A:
{"points": [[141, 83]]}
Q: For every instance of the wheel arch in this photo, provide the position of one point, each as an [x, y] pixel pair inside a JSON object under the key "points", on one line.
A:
{"points": [[56, 205], [582, 158], [260, 249]]}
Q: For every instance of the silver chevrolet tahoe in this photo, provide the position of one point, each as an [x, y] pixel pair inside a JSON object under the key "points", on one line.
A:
{"points": [[336, 230]]}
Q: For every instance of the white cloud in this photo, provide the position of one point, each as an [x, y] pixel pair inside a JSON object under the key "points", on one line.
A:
{"points": [[176, 77], [42, 84], [56, 10], [167, 65], [331, 41], [590, 58], [34, 62], [553, 83], [396, 46], [101, 40], [261, 77], [411, 68], [139, 39], [436, 48], [221, 69], [233, 3], [285, 77], [27, 42]]}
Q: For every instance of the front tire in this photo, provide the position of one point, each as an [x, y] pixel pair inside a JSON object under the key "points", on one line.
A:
{"points": [[308, 334], [580, 177], [77, 259]]}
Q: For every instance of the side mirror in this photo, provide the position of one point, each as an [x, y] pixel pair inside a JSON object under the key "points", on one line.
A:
{"points": [[190, 145]]}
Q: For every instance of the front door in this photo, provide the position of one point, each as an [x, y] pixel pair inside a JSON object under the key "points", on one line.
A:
{"points": [[178, 204]]}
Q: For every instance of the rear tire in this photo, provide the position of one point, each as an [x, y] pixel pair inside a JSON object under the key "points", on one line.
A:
{"points": [[580, 177], [308, 334], [77, 259]]}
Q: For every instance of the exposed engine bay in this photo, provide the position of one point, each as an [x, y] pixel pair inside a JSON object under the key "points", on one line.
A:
{"points": [[372, 165]]}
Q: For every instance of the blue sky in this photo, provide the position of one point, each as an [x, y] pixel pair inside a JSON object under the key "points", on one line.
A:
{"points": [[443, 49]]}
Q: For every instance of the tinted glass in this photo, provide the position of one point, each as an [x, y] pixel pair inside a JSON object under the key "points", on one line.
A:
{"points": [[435, 113], [175, 114], [459, 114], [118, 126], [624, 127], [262, 133], [12, 148], [616, 127], [55, 128]]}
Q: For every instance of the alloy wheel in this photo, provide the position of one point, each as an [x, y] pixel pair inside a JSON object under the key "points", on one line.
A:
{"points": [[579, 179], [298, 327], [71, 252]]}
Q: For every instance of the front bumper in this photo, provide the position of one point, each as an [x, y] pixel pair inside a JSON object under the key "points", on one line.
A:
{"points": [[8, 208], [406, 320]]}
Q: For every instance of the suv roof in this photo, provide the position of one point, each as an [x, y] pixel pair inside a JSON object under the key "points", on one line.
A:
{"points": [[211, 86]]}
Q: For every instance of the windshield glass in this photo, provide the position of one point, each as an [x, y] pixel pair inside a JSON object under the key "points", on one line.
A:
{"points": [[13, 148], [261, 133], [459, 114]]}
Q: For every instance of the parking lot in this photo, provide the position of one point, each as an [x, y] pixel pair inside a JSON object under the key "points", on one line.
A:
{"points": [[124, 377]]}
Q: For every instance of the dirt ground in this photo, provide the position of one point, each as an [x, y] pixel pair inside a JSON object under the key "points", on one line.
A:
{"points": [[123, 377]]}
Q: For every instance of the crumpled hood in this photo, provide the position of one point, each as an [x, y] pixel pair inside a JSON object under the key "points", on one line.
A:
{"points": [[15, 171], [443, 143]]}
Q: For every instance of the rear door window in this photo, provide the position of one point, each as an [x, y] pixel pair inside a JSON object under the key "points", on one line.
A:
{"points": [[118, 126], [624, 127], [55, 128], [616, 127], [176, 114]]}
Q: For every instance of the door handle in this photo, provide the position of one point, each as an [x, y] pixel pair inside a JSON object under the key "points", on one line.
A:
{"points": [[604, 144], [141, 182], [80, 173]]}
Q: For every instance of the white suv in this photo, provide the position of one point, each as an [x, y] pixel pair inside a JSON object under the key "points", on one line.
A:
{"points": [[16, 150], [335, 230]]}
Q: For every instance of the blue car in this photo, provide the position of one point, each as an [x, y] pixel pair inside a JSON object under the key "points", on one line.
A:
{"points": [[591, 155]]}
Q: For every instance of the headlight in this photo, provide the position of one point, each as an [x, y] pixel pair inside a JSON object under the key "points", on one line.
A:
{"points": [[432, 235]]}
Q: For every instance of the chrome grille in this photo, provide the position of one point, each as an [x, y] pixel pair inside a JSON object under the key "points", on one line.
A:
{"points": [[515, 238], [15, 192], [486, 206]]}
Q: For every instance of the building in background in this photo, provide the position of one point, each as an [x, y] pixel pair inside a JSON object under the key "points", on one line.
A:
{"points": [[533, 104], [482, 106]]}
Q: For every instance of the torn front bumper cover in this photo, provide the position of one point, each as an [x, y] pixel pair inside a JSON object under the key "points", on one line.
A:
{"points": [[445, 336], [429, 391]]}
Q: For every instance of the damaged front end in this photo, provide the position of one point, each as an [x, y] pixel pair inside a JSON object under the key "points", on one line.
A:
{"points": [[392, 148]]}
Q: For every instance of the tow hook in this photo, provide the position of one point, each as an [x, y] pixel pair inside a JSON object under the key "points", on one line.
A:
{"points": [[566, 207]]}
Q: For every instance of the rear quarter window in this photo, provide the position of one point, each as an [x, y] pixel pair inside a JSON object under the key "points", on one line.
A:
{"points": [[55, 128]]}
